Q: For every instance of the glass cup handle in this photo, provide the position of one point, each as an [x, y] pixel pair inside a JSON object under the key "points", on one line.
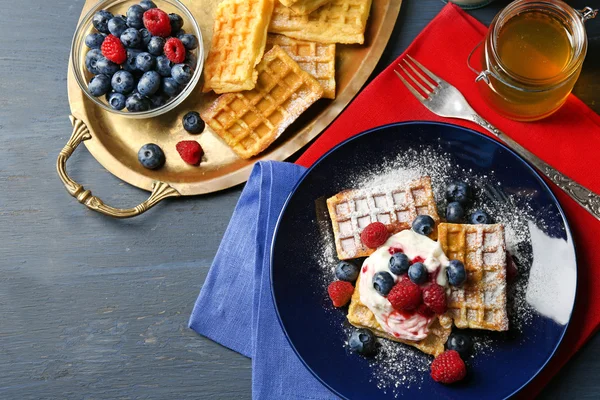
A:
{"points": [[481, 75], [587, 13]]}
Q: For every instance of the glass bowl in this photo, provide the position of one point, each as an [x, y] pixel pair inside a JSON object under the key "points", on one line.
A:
{"points": [[118, 7]]}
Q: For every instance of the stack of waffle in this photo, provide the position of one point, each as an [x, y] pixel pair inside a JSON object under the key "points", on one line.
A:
{"points": [[269, 99]]}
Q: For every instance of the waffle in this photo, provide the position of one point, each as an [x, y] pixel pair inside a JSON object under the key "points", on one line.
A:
{"points": [[395, 206], [360, 316], [238, 43], [250, 121], [481, 302], [338, 21], [303, 6], [317, 59]]}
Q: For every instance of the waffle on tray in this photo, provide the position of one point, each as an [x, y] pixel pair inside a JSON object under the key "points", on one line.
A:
{"points": [[238, 43], [338, 21], [250, 121], [303, 6], [481, 302], [395, 206], [318, 59], [360, 316]]}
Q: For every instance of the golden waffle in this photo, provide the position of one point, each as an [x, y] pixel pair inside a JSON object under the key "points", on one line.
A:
{"points": [[303, 6], [318, 59], [250, 121], [238, 43], [360, 316], [481, 302], [395, 206], [338, 21]]}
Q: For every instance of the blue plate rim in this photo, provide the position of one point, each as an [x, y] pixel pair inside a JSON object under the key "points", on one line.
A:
{"points": [[401, 124]]}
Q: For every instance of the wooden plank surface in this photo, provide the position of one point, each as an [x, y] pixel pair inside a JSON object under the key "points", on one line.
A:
{"points": [[95, 308]]}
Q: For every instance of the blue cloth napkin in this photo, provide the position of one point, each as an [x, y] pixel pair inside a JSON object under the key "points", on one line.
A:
{"points": [[235, 307]]}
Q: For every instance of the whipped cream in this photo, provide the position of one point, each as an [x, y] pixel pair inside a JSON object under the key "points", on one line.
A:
{"points": [[403, 325]]}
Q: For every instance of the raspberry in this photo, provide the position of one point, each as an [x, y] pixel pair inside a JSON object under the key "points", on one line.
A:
{"points": [[434, 297], [190, 151], [174, 50], [374, 235], [113, 49], [448, 367], [425, 311], [405, 296], [340, 292], [157, 22]]}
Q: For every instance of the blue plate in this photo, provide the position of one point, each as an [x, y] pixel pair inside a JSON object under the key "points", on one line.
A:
{"points": [[317, 332]]}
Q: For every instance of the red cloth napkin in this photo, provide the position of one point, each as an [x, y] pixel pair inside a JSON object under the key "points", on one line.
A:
{"points": [[566, 140]]}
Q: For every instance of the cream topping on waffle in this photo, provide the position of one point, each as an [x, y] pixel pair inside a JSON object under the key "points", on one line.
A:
{"points": [[407, 326]]}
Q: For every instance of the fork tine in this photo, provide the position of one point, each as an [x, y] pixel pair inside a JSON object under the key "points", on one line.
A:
{"points": [[428, 72], [409, 87], [412, 78], [431, 85]]}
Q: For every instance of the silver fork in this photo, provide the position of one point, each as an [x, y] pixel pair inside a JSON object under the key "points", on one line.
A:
{"points": [[445, 100]]}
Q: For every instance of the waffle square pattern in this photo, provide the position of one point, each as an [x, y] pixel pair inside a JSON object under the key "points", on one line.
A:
{"points": [[250, 121], [303, 6], [481, 302], [395, 206]]}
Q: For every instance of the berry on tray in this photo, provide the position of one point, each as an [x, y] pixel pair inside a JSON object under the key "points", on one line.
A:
{"points": [[151, 156], [399, 263], [340, 292], [374, 235], [480, 217], [455, 213], [459, 192], [383, 282], [423, 225], [175, 50], [135, 16], [147, 4], [113, 49], [448, 367], [418, 273], [193, 123], [100, 21], [157, 22], [182, 73], [190, 151], [460, 343], [346, 271], [94, 40], [456, 273], [434, 297], [363, 342], [405, 295]]}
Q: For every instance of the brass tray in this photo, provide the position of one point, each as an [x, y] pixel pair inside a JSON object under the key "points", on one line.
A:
{"points": [[114, 140]]}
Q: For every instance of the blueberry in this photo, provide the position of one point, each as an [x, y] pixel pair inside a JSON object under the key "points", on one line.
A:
{"points": [[480, 217], [117, 26], [383, 282], [163, 66], [99, 85], [151, 156], [149, 83], [156, 45], [344, 271], [147, 4], [131, 38], [176, 22], [455, 212], [418, 273], [100, 21], [94, 40], [170, 87], [158, 100], [91, 60], [456, 273], [123, 82], [460, 192], [363, 342], [191, 59], [129, 64], [193, 124], [182, 73], [423, 225], [189, 41], [461, 343], [177, 33], [135, 15], [116, 100], [107, 67], [136, 102], [145, 62], [399, 263], [146, 36]]}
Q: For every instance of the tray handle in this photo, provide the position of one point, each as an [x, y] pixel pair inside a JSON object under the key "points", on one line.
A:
{"points": [[160, 190]]}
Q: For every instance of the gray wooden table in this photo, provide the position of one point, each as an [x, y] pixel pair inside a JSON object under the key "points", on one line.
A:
{"points": [[95, 308]]}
